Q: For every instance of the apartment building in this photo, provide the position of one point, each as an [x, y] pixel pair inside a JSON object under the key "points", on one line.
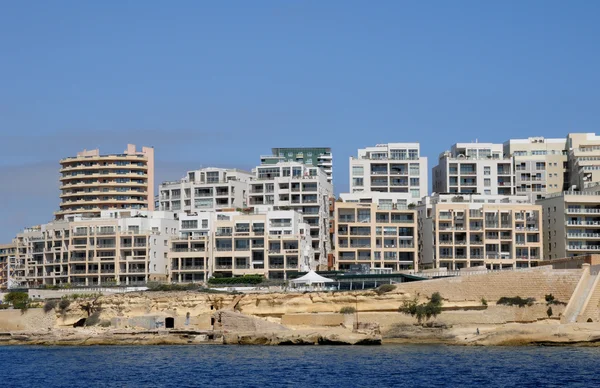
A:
{"points": [[273, 244], [380, 236], [390, 168], [299, 187], [471, 230], [389, 200], [8, 265], [583, 159], [540, 165], [311, 156], [471, 168], [205, 190], [91, 183], [123, 248], [571, 223]]}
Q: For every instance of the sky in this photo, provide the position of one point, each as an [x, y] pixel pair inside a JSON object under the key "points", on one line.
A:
{"points": [[220, 83]]}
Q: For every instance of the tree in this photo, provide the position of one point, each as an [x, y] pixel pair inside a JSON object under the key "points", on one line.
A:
{"points": [[423, 311]]}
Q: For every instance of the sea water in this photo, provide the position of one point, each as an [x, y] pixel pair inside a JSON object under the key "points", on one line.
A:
{"points": [[298, 366]]}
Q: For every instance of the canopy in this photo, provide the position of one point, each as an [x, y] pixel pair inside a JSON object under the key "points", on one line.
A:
{"points": [[311, 278]]}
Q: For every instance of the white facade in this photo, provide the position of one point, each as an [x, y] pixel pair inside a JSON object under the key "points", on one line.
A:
{"points": [[296, 186], [472, 168], [205, 190], [383, 200], [540, 165], [584, 160], [271, 244], [119, 247], [395, 168]]}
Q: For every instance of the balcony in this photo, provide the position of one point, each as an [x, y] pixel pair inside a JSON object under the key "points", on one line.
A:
{"points": [[584, 247], [583, 235], [223, 266]]}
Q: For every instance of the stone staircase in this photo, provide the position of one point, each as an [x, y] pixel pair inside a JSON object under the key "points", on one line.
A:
{"points": [[584, 292], [591, 309]]}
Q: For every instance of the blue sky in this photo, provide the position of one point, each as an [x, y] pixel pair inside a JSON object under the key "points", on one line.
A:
{"points": [[220, 83]]}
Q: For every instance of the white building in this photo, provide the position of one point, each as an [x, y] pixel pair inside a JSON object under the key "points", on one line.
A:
{"points": [[271, 244], [204, 190], [584, 160], [296, 186], [119, 247], [471, 168], [395, 168], [540, 165]]}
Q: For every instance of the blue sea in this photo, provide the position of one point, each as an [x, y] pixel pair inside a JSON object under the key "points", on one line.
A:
{"points": [[307, 366]]}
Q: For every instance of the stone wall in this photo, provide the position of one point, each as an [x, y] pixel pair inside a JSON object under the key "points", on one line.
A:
{"points": [[32, 319], [534, 283]]}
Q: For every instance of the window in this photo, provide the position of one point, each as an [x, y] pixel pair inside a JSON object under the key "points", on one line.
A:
{"points": [[204, 224], [165, 242], [487, 182], [413, 154], [358, 171], [487, 170], [358, 182], [414, 169], [414, 181], [415, 193], [189, 224], [487, 192]]}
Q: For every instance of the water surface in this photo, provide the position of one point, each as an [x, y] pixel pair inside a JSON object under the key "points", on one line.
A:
{"points": [[308, 366]]}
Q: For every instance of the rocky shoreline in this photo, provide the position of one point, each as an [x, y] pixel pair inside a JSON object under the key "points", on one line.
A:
{"points": [[514, 334]]}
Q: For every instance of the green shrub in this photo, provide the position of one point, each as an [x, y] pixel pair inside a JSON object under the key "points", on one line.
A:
{"points": [[423, 311], [516, 301], [50, 305], [174, 287], [246, 279], [384, 288], [549, 311], [4, 306], [484, 302], [16, 298], [347, 310], [64, 304], [551, 300]]}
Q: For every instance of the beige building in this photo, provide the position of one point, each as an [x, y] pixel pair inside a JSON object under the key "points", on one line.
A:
{"points": [[123, 248], [572, 223], [91, 182], [379, 236], [206, 189], [474, 168], [273, 244], [461, 231], [540, 165]]}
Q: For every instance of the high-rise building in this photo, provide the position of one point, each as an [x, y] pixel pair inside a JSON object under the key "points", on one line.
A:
{"points": [[299, 187], [474, 168], [540, 165], [273, 244], [206, 189], [377, 236], [469, 230], [583, 159], [572, 223], [311, 156], [92, 183], [396, 168]]}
